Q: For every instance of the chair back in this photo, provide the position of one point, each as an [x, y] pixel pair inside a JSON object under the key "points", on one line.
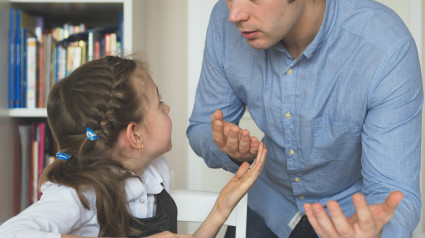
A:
{"points": [[194, 206]]}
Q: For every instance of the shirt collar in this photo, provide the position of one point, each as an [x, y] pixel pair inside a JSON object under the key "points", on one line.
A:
{"points": [[328, 24], [150, 183]]}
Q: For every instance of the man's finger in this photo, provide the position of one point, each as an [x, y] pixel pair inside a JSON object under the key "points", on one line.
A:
{"points": [[254, 145], [392, 201], [218, 134], [324, 221], [245, 142], [217, 115], [232, 140], [389, 207], [340, 221], [308, 209], [365, 218]]}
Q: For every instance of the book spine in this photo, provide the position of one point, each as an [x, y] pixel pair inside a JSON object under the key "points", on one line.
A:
{"points": [[18, 60], [121, 35], [31, 72], [23, 67], [90, 46], [42, 129], [12, 59]]}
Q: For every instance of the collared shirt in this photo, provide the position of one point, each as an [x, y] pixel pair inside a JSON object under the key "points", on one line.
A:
{"points": [[344, 117], [59, 210]]}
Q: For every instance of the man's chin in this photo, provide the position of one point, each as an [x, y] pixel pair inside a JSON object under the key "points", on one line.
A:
{"points": [[258, 44]]}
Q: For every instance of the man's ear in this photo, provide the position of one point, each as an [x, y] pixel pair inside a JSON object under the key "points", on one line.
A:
{"points": [[134, 135]]}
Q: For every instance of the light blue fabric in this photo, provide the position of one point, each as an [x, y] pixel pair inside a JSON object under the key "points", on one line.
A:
{"points": [[355, 96]]}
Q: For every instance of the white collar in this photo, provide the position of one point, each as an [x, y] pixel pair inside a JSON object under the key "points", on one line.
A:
{"points": [[151, 184]]}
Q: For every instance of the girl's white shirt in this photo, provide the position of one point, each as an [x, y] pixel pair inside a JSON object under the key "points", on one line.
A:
{"points": [[59, 210]]}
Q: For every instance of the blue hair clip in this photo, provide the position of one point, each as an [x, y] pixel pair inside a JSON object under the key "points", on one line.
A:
{"points": [[90, 134], [63, 156]]}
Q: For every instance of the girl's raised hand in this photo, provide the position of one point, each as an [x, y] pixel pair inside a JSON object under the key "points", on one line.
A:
{"points": [[241, 182], [231, 194]]}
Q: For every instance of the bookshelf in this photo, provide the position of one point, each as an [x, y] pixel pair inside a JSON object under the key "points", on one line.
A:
{"points": [[93, 13]]}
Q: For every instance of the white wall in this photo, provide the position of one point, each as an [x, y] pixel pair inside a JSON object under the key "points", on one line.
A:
{"points": [[160, 33]]}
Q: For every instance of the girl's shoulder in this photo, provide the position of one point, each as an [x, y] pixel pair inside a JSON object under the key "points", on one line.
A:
{"points": [[53, 191]]}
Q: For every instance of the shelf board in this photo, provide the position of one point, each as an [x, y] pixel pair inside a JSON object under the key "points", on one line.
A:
{"points": [[25, 112]]}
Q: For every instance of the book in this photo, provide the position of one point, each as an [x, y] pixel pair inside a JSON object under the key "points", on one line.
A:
{"points": [[22, 80], [41, 154], [120, 34], [61, 62], [47, 68], [107, 44], [90, 46], [25, 24], [31, 73], [113, 44], [35, 166], [17, 80], [16, 172], [12, 59], [39, 29], [97, 50], [24, 159], [83, 46]]}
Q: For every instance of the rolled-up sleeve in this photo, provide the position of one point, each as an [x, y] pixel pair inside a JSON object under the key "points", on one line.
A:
{"points": [[391, 139]]}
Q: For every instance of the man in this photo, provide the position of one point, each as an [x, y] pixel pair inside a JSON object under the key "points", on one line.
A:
{"points": [[336, 88]]}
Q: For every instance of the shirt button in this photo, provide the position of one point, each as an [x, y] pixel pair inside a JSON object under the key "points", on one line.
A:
{"points": [[292, 152], [297, 179], [301, 197], [141, 200], [289, 71], [288, 115]]}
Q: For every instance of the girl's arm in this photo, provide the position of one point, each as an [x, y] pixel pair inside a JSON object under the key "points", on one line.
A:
{"points": [[231, 194]]}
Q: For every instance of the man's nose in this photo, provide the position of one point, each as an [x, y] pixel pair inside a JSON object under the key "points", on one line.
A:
{"points": [[238, 10]]}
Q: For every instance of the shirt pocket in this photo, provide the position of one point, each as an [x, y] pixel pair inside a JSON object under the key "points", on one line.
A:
{"points": [[335, 139]]}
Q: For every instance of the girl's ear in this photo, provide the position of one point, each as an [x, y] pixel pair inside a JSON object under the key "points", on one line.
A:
{"points": [[134, 135]]}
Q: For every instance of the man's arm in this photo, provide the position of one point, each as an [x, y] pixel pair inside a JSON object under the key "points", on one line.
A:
{"points": [[214, 92], [391, 138], [391, 154]]}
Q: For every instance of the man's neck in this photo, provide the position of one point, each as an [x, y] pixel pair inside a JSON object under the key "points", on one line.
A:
{"points": [[306, 29]]}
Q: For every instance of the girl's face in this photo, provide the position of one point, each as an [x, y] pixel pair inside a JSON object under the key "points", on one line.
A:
{"points": [[156, 123]]}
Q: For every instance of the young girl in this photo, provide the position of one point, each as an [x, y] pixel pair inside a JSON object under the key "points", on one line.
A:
{"points": [[111, 129]]}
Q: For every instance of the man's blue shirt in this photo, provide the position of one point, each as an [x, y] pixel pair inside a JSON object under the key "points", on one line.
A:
{"points": [[344, 117]]}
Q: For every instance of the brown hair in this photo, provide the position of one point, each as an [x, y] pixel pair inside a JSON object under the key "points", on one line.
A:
{"points": [[101, 95]]}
